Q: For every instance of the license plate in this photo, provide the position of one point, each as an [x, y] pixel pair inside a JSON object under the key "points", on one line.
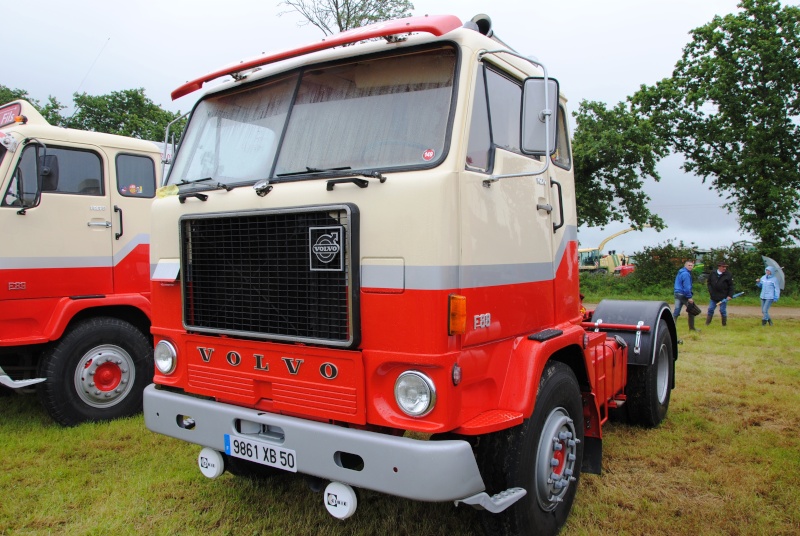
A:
{"points": [[261, 452]]}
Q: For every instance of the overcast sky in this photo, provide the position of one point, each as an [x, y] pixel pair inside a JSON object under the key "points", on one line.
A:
{"points": [[598, 50]]}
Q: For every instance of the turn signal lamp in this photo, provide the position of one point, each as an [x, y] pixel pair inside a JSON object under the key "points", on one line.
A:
{"points": [[457, 309]]}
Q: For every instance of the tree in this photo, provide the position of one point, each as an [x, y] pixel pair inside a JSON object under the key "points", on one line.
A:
{"points": [[614, 150], [732, 107], [333, 16], [127, 113], [50, 111], [7, 95]]}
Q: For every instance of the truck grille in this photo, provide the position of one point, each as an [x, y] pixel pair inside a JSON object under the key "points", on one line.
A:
{"points": [[284, 275]]}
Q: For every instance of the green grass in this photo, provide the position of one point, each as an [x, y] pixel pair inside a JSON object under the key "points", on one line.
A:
{"points": [[725, 461], [599, 287]]}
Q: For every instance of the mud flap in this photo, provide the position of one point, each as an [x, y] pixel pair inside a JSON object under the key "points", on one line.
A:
{"points": [[592, 455]]}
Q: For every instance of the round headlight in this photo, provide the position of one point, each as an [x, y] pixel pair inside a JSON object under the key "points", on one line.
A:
{"points": [[415, 393], [165, 357]]}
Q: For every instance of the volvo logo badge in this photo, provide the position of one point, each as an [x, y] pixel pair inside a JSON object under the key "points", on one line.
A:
{"points": [[326, 253]]}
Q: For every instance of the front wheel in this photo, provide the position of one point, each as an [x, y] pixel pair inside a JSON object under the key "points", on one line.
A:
{"points": [[96, 372], [543, 455]]}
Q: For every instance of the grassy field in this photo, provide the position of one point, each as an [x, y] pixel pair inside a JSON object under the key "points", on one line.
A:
{"points": [[725, 461]]}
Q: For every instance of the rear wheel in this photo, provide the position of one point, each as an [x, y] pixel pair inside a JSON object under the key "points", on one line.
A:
{"points": [[649, 387], [543, 455], [96, 372]]}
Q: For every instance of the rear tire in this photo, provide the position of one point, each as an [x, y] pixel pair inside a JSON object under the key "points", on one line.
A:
{"points": [[543, 455], [96, 372], [649, 387]]}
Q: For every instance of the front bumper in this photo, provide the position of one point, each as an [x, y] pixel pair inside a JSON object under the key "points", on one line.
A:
{"points": [[415, 469]]}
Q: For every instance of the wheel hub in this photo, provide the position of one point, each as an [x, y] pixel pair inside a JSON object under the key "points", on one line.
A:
{"points": [[104, 376], [555, 459], [662, 374]]}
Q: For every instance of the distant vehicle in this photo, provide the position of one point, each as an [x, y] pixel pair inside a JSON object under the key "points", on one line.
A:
{"points": [[699, 271], [594, 261], [75, 271], [745, 245]]}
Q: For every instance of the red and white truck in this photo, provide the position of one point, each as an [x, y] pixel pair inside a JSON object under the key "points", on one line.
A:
{"points": [[366, 272], [75, 265]]}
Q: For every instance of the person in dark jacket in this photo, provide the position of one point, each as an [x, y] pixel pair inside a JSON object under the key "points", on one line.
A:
{"points": [[720, 288]]}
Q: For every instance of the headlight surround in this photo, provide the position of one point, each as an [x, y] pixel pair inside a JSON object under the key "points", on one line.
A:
{"points": [[415, 393], [166, 357]]}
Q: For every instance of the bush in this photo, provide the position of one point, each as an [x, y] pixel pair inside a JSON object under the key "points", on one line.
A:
{"points": [[657, 266]]}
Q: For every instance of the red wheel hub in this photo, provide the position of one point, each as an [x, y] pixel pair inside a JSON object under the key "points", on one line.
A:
{"points": [[107, 376]]}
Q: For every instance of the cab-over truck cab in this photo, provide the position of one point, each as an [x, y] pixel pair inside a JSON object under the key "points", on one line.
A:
{"points": [[74, 265], [360, 241]]}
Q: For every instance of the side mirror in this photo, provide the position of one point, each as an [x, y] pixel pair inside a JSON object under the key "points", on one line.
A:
{"points": [[47, 173], [539, 99]]}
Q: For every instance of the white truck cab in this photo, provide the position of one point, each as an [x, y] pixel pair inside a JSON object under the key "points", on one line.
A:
{"points": [[74, 265]]}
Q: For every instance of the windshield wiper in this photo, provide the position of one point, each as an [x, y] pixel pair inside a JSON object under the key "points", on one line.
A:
{"points": [[222, 185], [185, 181], [311, 170]]}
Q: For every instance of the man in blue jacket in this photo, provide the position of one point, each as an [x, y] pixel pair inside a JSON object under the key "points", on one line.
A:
{"points": [[683, 292]]}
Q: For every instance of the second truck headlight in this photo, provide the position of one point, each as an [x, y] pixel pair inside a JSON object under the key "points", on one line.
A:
{"points": [[165, 357]]}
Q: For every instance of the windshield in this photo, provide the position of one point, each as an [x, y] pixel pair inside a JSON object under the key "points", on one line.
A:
{"points": [[381, 113], [588, 257]]}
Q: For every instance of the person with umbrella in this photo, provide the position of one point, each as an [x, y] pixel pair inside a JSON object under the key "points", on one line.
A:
{"points": [[720, 288], [770, 292]]}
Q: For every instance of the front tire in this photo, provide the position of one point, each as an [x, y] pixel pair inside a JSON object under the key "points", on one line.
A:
{"points": [[96, 372], [649, 387], [543, 455]]}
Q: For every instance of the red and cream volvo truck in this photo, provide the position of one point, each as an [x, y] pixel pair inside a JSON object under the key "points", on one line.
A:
{"points": [[366, 272], [75, 266]]}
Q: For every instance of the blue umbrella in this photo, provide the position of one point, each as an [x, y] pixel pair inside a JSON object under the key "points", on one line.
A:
{"points": [[777, 271]]}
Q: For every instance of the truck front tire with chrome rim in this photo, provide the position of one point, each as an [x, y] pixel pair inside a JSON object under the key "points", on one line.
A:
{"points": [[543, 455]]}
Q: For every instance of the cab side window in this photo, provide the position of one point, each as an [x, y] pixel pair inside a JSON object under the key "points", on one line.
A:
{"points": [[136, 176], [479, 145], [496, 116], [505, 105], [24, 175], [79, 173], [562, 157]]}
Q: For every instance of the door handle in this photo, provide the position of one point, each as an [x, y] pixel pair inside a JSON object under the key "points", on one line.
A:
{"points": [[547, 206], [560, 204], [105, 224], [119, 234]]}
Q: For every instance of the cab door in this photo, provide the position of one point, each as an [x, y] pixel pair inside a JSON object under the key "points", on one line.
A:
{"points": [[507, 266], [134, 178], [58, 248], [62, 246]]}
